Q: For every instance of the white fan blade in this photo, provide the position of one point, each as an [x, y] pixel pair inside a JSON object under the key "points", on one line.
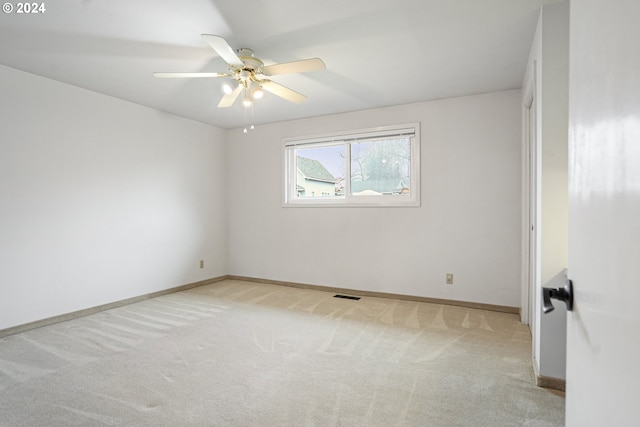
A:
{"points": [[189, 75], [302, 66], [223, 49], [282, 91], [230, 98]]}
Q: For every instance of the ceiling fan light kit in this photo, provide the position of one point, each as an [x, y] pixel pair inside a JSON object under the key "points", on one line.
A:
{"points": [[257, 93], [228, 87], [250, 75]]}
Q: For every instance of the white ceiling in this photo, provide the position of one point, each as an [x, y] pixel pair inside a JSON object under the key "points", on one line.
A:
{"points": [[377, 52]]}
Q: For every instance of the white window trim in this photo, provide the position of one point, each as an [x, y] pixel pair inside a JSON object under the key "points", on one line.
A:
{"points": [[338, 138]]}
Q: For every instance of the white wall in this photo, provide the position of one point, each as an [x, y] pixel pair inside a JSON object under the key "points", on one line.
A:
{"points": [[468, 224], [555, 184], [101, 200], [550, 58], [554, 138]]}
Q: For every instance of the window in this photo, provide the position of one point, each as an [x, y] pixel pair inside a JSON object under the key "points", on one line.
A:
{"points": [[373, 167]]}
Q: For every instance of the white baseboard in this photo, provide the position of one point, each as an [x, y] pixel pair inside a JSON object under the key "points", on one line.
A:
{"points": [[548, 382]]}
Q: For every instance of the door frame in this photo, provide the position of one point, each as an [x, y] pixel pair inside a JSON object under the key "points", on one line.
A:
{"points": [[530, 214]]}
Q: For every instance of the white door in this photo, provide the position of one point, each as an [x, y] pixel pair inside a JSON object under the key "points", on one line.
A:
{"points": [[603, 331]]}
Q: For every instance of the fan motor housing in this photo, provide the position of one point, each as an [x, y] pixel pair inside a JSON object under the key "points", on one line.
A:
{"points": [[250, 62]]}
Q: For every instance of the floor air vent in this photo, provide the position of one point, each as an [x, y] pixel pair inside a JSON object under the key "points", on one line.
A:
{"points": [[346, 297]]}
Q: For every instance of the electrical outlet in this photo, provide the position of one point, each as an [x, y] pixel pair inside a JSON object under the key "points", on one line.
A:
{"points": [[449, 278], [201, 263]]}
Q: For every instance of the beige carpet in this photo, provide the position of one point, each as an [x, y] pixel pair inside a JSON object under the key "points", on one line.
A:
{"points": [[245, 354]]}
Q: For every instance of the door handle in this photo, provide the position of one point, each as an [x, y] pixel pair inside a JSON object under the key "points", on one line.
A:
{"points": [[562, 294]]}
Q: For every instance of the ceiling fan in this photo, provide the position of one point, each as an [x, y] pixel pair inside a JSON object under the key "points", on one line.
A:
{"points": [[250, 75]]}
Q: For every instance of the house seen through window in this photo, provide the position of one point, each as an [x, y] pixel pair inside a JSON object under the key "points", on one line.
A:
{"points": [[378, 167]]}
